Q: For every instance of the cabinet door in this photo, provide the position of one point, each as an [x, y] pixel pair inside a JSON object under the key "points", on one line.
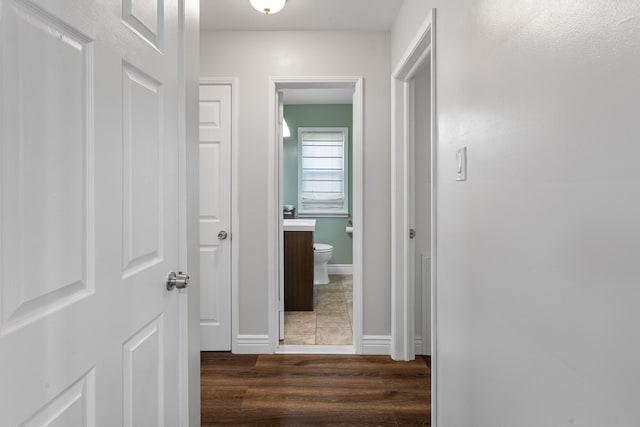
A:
{"points": [[298, 271]]}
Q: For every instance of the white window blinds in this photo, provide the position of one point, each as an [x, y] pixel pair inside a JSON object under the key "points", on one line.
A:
{"points": [[322, 175]]}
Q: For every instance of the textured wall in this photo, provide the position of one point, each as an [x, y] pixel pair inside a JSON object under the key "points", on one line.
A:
{"points": [[538, 272], [328, 230]]}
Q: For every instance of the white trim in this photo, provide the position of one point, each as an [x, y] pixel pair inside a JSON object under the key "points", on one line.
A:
{"points": [[188, 153], [434, 228], [376, 344], [315, 349], [417, 51], [234, 82], [183, 298], [342, 269], [419, 349], [252, 344], [274, 194], [402, 306], [402, 271], [274, 220], [357, 200], [425, 268], [280, 139]]}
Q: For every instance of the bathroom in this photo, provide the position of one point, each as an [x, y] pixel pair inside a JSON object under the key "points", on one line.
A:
{"points": [[307, 114]]}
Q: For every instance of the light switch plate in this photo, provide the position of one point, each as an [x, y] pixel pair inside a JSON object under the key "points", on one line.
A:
{"points": [[461, 164]]}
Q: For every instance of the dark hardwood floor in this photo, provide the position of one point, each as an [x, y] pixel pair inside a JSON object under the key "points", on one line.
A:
{"points": [[310, 390]]}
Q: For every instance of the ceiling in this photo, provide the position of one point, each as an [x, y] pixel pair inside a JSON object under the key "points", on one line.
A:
{"points": [[360, 15]]}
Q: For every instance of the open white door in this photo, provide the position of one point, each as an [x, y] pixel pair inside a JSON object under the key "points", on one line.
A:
{"points": [[280, 100], [215, 217], [89, 213]]}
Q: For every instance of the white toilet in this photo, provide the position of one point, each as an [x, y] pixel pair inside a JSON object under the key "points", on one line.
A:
{"points": [[321, 255]]}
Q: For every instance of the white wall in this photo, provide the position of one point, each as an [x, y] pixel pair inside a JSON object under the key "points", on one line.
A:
{"points": [[410, 17], [538, 272], [253, 57]]}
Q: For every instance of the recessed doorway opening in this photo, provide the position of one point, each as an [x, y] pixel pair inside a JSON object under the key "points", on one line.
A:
{"points": [[317, 180]]}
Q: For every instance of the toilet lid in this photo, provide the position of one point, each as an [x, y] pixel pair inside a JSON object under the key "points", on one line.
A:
{"points": [[322, 247]]}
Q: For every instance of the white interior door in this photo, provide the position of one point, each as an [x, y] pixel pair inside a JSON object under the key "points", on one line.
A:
{"points": [[215, 217], [280, 100], [88, 213]]}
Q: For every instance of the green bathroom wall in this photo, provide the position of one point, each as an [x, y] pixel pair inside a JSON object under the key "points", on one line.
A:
{"points": [[328, 230]]}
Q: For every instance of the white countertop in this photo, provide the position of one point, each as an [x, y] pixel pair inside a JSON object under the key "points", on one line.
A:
{"points": [[299, 224]]}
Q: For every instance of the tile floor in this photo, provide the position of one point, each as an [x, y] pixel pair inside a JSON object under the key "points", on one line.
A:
{"points": [[331, 321]]}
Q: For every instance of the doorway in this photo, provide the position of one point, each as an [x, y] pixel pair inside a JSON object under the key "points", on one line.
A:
{"points": [[414, 102], [340, 230], [317, 187], [218, 214], [414, 161]]}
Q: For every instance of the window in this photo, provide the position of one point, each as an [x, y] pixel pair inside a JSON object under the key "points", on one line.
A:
{"points": [[323, 172]]}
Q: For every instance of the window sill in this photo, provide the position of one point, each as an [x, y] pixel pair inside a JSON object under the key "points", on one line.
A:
{"points": [[323, 215]]}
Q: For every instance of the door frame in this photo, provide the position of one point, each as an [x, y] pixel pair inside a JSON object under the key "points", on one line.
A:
{"points": [[234, 236], [274, 196], [189, 176], [402, 125]]}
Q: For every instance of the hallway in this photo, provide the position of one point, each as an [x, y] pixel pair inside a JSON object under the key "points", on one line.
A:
{"points": [[314, 390]]}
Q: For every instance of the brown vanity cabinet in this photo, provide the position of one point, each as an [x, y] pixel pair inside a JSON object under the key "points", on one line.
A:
{"points": [[298, 270]]}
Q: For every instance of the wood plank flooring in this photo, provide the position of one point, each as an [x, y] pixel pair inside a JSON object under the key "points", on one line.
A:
{"points": [[314, 390]]}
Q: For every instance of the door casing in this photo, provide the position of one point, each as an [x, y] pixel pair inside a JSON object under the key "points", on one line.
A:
{"points": [[275, 190], [188, 157], [402, 124]]}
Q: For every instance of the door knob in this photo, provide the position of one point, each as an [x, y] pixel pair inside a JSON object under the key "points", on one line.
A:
{"points": [[177, 280], [222, 235], [412, 233]]}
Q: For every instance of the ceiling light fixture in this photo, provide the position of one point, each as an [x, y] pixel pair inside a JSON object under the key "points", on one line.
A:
{"points": [[268, 7]]}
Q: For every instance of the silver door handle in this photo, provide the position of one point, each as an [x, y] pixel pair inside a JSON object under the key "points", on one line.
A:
{"points": [[177, 280], [222, 235]]}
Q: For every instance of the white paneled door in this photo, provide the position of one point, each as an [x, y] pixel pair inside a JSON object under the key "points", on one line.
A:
{"points": [[215, 217], [89, 214]]}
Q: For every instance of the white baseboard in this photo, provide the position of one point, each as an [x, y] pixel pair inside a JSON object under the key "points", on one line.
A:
{"points": [[376, 344], [419, 349], [315, 349], [252, 344], [340, 269]]}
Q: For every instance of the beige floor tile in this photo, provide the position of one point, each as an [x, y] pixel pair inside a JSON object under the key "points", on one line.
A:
{"points": [[334, 320], [331, 321], [334, 336], [331, 304], [331, 295], [335, 316], [299, 339], [299, 328], [330, 285], [299, 316]]}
